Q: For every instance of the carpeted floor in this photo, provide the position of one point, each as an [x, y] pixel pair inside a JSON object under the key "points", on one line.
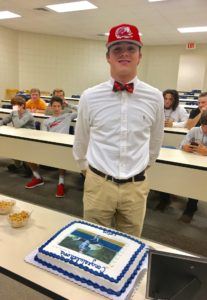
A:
{"points": [[160, 227]]}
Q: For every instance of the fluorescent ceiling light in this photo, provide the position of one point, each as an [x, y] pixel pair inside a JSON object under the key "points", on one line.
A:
{"points": [[72, 6], [192, 29], [5, 14]]}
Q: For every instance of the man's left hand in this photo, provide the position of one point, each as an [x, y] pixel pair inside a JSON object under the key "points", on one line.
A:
{"points": [[201, 149]]}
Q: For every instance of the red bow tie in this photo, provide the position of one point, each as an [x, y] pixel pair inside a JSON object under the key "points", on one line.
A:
{"points": [[129, 87]]}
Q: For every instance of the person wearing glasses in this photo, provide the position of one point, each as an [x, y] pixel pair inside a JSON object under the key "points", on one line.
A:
{"points": [[118, 135]]}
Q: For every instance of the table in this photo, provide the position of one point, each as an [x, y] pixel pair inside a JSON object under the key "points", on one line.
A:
{"points": [[69, 99], [189, 107], [15, 244], [189, 100], [40, 117], [174, 136], [180, 173], [175, 171], [41, 147]]}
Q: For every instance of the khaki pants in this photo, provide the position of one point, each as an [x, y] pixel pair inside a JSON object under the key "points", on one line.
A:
{"points": [[124, 204]]}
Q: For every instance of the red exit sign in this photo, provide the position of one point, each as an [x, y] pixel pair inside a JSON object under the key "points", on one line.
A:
{"points": [[191, 45]]}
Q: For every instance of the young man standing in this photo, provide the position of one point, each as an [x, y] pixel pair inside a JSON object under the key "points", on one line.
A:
{"points": [[119, 133]]}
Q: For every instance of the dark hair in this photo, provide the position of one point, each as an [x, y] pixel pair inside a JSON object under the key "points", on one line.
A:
{"points": [[18, 100], [58, 91], [204, 94], [203, 119], [34, 90], [56, 99], [175, 96]]}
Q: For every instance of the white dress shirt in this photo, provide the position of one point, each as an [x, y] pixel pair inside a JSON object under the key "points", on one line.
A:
{"points": [[179, 116], [119, 133]]}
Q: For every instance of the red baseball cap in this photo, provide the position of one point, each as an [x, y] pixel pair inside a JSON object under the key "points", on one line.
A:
{"points": [[124, 33]]}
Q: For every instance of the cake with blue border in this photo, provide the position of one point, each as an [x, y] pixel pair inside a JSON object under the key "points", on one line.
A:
{"points": [[102, 259]]}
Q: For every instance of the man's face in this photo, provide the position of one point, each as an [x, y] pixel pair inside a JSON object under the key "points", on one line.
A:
{"points": [[204, 129], [123, 58], [168, 101], [59, 94], [202, 103], [56, 108], [35, 96]]}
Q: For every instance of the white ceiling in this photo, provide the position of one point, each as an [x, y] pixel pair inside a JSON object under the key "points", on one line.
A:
{"points": [[157, 21]]}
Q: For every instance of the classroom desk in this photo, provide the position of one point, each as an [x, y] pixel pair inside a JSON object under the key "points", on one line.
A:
{"points": [[180, 173], [41, 147], [16, 244], [174, 136], [175, 171], [69, 99], [189, 107], [191, 100], [40, 117]]}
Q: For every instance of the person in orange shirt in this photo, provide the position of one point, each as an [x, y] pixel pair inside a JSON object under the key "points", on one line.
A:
{"points": [[36, 104]]}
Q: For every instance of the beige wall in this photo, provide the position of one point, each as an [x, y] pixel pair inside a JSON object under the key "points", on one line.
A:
{"points": [[161, 64], [9, 70], [51, 61], [46, 61]]}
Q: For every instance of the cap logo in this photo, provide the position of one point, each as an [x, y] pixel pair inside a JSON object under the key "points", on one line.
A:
{"points": [[123, 32]]}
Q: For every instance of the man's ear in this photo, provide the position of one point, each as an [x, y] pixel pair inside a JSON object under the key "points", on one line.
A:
{"points": [[107, 56], [140, 56]]}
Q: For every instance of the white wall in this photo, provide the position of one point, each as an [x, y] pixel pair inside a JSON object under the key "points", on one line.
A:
{"points": [[191, 72], [46, 62], [9, 71], [163, 62]]}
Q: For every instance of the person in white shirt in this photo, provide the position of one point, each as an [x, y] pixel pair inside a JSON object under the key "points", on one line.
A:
{"points": [[194, 142], [118, 134], [175, 115]]}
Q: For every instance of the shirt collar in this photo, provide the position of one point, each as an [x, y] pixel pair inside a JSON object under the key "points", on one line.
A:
{"points": [[134, 80]]}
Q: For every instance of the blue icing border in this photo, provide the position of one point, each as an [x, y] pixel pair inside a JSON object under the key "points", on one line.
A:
{"points": [[91, 283], [85, 268]]}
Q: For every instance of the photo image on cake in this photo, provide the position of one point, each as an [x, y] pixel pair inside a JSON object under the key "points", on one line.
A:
{"points": [[96, 246]]}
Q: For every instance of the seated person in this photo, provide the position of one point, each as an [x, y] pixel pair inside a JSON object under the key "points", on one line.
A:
{"points": [[175, 115], [195, 114], [195, 142], [35, 103], [67, 107], [20, 118], [57, 123]]}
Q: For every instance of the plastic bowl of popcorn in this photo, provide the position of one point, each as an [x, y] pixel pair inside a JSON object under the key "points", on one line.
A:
{"points": [[6, 206], [19, 218]]}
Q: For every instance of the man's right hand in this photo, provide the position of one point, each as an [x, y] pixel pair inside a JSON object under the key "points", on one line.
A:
{"points": [[83, 172], [189, 148]]}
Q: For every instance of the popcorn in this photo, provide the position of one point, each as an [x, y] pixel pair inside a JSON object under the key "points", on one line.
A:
{"points": [[6, 206], [19, 219]]}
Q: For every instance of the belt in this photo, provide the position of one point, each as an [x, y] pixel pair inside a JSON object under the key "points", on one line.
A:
{"points": [[138, 177]]}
